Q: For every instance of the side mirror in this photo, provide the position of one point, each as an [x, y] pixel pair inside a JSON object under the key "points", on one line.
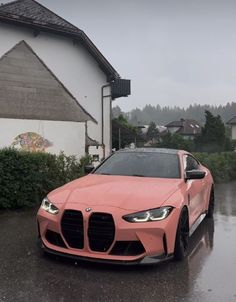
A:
{"points": [[88, 169], [195, 174]]}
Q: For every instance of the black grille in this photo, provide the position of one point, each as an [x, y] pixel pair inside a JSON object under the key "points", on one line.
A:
{"points": [[54, 238], [101, 231], [72, 228], [127, 248]]}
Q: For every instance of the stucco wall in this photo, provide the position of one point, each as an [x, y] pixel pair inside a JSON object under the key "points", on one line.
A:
{"points": [[56, 136], [74, 67]]}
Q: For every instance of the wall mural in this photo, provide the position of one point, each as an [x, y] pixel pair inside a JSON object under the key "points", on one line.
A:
{"points": [[31, 141]]}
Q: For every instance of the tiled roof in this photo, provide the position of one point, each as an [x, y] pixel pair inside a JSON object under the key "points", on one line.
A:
{"points": [[232, 121], [30, 10], [174, 124], [91, 142], [31, 14], [186, 127]]}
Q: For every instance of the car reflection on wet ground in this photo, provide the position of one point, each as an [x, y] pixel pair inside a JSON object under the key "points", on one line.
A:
{"points": [[207, 274]]}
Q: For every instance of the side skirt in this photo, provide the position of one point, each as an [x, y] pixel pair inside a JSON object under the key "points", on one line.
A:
{"points": [[196, 224]]}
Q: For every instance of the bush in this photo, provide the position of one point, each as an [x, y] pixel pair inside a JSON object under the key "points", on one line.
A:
{"points": [[25, 178], [222, 165], [175, 141]]}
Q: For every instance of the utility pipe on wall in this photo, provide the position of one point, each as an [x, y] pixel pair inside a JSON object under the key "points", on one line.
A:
{"points": [[102, 121]]}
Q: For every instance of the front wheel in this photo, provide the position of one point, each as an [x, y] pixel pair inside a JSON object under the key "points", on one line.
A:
{"points": [[182, 236]]}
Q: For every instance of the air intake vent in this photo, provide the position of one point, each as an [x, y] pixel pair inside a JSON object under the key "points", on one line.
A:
{"points": [[73, 229], [54, 238], [101, 231], [127, 248]]}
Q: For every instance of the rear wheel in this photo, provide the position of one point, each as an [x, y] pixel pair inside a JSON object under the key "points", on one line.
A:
{"points": [[182, 236], [211, 205]]}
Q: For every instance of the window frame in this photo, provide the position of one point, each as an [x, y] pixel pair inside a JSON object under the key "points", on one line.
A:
{"points": [[185, 162]]}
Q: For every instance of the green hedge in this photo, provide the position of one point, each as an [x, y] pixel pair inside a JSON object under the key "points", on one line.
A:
{"points": [[222, 165], [25, 178]]}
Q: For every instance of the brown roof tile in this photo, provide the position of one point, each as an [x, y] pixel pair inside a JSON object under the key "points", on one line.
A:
{"points": [[36, 13], [186, 126]]}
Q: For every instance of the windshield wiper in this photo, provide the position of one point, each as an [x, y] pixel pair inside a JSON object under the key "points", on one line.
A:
{"points": [[138, 175]]}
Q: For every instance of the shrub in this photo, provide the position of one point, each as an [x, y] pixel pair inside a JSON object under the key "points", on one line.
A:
{"points": [[222, 165], [25, 178]]}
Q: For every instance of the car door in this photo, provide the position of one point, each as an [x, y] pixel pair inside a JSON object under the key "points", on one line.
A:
{"points": [[194, 190]]}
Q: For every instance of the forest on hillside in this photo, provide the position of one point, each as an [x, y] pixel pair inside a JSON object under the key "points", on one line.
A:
{"points": [[163, 115]]}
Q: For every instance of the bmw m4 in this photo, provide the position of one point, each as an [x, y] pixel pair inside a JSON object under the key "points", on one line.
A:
{"points": [[137, 206]]}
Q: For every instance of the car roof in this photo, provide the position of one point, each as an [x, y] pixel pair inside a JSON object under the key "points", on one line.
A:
{"points": [[150, 150]]}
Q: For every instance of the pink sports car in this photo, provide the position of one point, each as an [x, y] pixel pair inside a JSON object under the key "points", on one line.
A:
{"points": [[138, 206]]}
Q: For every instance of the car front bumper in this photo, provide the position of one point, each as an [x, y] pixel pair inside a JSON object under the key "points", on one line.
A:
{"points": [[157, 239]]}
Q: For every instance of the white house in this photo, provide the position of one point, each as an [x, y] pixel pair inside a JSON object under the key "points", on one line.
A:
{"points": [[56, 88], [232, 124]]}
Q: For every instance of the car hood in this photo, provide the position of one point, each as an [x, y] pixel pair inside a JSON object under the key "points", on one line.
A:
{"points": [[125, 192]]}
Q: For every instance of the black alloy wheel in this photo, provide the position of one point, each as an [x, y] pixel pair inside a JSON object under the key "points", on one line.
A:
{"points": [[182, 237]]}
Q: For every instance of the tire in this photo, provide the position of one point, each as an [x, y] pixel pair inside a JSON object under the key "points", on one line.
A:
{"points": [[182, 236], [211, 205]]}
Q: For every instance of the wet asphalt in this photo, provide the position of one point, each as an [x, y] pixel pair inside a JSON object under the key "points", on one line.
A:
{"points": [[207, 274]]}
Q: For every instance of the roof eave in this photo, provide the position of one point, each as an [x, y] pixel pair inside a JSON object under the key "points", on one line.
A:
{"points": [[78, 35], [232, 121]]}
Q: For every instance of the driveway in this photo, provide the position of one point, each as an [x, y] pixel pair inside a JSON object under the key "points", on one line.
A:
{"points": [[208, 273]]}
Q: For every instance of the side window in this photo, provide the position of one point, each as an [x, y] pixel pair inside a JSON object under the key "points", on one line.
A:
{"points": [[191, 163]]}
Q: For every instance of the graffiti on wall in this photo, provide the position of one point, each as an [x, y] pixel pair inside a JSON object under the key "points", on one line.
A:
{"points": [[31, 141]]}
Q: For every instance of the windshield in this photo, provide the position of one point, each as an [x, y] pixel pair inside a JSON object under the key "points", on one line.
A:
{"points": [[143, 164]]}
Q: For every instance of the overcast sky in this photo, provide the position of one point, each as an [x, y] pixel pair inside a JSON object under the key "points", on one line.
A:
{"points": [[175, 52]]}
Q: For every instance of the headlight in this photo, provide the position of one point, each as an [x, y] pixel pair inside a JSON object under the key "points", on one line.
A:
{"points": [[49, 207], [150, 215]]}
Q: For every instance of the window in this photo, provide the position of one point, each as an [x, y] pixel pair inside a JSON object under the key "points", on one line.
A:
{"points": [[143, 164], [190, 163]]}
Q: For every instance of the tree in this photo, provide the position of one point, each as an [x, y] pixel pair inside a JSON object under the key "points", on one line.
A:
{"points": [[213, 137], [116, 112], [163, 115], [152, 132], [123, 133], [175, 141]]}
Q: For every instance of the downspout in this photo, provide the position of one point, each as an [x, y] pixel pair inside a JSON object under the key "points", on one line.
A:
{"points": [[102, 122], [86, 135]]}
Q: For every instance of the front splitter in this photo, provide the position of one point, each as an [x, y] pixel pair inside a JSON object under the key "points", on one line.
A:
{"points": [[147, 260]]}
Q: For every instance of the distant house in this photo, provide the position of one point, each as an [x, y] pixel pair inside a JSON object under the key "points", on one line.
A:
{"points": [[232, 124], [144, 128], [56, 88], [187, 128]]}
